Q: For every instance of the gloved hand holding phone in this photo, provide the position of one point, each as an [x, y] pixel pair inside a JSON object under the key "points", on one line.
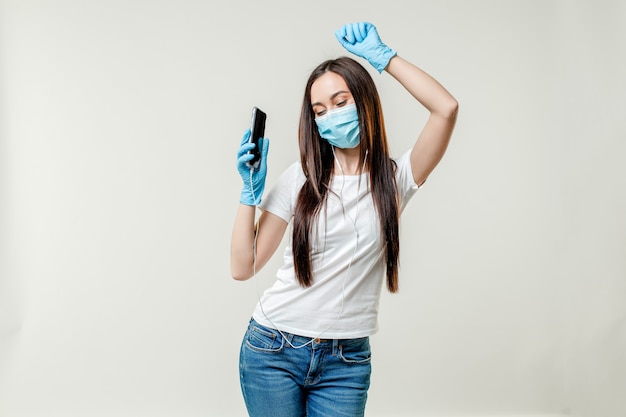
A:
{"points": [[253, 178]]}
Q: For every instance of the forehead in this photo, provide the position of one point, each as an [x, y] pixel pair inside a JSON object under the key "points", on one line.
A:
{"points": [[326, 86]]}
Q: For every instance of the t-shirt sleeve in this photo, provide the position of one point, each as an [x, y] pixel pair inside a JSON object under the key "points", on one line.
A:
{"points": [[281, 199], [404, 179]]}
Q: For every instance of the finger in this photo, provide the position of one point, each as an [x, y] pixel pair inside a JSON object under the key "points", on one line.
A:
{"points": [[245, 148], [362, 30], [340, 33], [246, 137], [349, 35], [371, 30], [243, 159], [342, 40], [265, 146]]}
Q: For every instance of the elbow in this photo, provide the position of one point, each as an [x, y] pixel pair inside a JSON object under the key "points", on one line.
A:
{"points": [[446, 112], [240, 278], [451, 109], [239, 275]]}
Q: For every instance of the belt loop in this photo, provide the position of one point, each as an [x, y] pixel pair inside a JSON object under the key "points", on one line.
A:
{"points": [[288, 336], [335, 346]]}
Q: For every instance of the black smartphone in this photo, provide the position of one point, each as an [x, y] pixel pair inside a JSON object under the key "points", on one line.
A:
{"points": [[257, 130]]}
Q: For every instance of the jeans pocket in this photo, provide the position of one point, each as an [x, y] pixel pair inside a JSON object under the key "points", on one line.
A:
{"points": [[262, 339], [356, 351]]}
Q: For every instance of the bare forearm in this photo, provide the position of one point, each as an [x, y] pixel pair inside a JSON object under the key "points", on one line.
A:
{"points": [[242, 243], [432, 95], [248, 238]]}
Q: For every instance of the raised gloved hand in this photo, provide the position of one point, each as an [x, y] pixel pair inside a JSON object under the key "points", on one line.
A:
{"points": [[362, 40], [253, 178]]}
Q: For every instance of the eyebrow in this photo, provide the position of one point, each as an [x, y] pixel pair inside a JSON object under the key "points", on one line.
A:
{"points": [[331, 97]]}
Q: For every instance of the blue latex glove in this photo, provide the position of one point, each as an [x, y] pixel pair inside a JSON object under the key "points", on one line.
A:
{"points": [[253, 178], [362, 40]]}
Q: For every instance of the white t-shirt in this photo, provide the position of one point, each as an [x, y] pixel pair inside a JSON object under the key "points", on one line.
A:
{"points": [[348, 266]]}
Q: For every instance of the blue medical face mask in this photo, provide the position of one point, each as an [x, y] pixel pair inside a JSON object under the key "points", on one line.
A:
{"points": [[340, 127]]}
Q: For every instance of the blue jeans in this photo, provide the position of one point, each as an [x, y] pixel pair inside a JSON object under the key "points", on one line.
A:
{"points": [[328, 377]]}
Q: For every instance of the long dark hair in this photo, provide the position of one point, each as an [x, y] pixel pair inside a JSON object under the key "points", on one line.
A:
{"points": [[316, 156]]}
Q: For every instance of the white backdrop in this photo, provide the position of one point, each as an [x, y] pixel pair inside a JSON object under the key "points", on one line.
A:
{"points": [[119, 125]]}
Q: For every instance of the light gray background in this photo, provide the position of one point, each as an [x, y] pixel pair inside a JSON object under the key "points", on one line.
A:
{"points": [[120, 121]]}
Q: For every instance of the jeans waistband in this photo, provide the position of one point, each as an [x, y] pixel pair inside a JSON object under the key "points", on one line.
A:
{"points": [[297, 340]]}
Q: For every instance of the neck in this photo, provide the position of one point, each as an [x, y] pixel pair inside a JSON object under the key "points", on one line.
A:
{"points": [[348, 161]]}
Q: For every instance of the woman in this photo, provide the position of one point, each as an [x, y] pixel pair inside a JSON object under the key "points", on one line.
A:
{"points": [[306, 351]]}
